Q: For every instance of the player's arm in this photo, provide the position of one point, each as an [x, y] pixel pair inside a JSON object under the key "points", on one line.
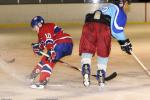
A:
{"points": [[57, 29], [38, 46], [41, 44], [117, 28], [49, 44], [123, 41]]}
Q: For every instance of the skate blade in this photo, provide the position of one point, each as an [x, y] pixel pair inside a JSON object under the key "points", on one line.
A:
{"points": [[102, 85], [37, 87], [86, 81]]}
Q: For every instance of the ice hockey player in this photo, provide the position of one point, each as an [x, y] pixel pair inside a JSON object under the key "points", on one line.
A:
{"points": [[109, 20], [57, 43]]}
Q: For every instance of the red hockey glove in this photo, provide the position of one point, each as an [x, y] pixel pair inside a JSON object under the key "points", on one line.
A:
{"points": [[52, 54]]}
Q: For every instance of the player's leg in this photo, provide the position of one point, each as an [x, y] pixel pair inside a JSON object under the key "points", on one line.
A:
{"points": [[45, 73], [36, 71], [87, 50], [103, 51], [62, 50], [101, 69], [44, 76], [86, 64]]}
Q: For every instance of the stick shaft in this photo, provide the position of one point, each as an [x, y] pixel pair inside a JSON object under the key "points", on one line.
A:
{"points": [[44, 54], [144, 68], [62, 62], [72, 66]]}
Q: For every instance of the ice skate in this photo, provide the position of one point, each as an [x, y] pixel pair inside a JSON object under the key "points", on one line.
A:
{"points": [[101, 77], [37, 86], [40, 85], [33, 76], [86, 75]]}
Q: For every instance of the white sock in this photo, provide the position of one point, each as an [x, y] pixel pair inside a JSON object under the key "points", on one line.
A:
{"points": [[101, 67]]}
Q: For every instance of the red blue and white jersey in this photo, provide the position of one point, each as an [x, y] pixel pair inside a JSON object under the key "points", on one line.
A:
{"points": [[50, 35]]}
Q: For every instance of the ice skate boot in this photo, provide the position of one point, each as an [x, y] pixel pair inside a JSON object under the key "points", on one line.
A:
{"points": [[33, 76], [86, 74], [40, 85], [101, 77]]}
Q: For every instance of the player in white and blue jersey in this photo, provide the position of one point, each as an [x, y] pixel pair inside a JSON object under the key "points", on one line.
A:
{"points": [[107, 21]]}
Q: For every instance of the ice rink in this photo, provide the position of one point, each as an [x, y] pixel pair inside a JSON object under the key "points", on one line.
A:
{"points": [[65, 83]]}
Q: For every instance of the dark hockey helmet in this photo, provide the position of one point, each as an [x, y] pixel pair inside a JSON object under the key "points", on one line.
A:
{"points": [[36, 21]]}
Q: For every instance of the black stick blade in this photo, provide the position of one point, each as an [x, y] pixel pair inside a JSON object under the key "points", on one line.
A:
{"points": [[110, 77]]}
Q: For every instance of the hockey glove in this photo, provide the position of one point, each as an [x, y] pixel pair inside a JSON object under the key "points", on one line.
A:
{"points": [[36, 49], [125, 46], [52, 54]]}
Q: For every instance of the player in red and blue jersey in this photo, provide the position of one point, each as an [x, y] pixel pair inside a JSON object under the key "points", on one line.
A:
{"points": [[58, 45]]}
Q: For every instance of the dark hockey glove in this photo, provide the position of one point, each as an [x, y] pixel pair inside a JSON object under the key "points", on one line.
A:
{"points": [[36, 49], [126, 46]]}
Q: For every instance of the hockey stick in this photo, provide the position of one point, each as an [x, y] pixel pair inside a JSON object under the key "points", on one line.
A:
{"points": [[144, 68], [110, 77]]}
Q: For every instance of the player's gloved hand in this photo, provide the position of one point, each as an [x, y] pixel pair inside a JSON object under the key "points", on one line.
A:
{"points": [[126, 46], [36, 49], [52, 54]]}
